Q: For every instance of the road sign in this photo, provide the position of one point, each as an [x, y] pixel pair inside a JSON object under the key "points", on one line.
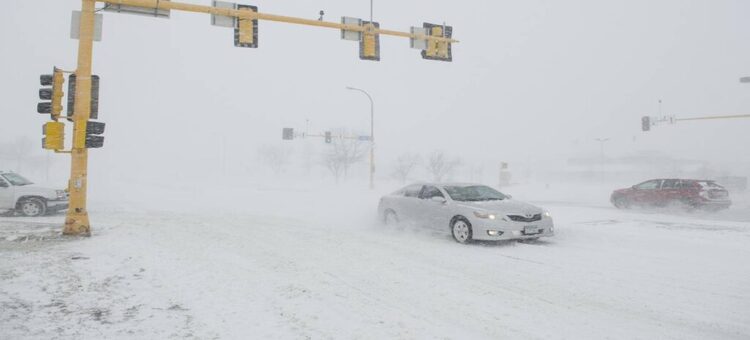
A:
{"points": [[420, 44], [351, 35], [221, 20], [149, 12], [75, 26]]}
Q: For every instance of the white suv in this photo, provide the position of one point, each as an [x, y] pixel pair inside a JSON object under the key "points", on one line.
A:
{"points": [[19, 195]]}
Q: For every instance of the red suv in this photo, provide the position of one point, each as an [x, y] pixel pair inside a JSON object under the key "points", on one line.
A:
{"points": [[663, 192]]}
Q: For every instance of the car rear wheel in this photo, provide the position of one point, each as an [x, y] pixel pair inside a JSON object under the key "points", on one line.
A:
{"points": [[32, 207], [461, 230]]}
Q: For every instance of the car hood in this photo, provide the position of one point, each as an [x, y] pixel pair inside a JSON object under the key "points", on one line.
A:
{"points": [[507, 206], [36, 191]]}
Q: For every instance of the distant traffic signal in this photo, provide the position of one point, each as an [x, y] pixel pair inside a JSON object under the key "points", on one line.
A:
{"points": [[94, 130], [328, 137], [287, 133], [54, 136], [438, 50], [94, 96], [646, 123], [246, 31], [53, 94], [369, 44]]}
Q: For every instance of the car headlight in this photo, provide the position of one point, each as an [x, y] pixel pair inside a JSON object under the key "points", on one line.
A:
{"points": [[61, 195], [547, 214], [484, 215]]}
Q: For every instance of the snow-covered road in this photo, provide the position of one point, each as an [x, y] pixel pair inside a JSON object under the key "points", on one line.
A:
{"points": [[332, 272]]}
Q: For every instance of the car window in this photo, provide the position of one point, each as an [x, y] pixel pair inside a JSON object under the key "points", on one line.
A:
{"points": [[710, 185], [3, 184], [16, 179], [650, 185], [430, 192], [670, 184], [412, 190], [687, 184], [474, 193]]}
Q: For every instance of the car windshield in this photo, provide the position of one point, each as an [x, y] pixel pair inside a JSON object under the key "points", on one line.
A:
{"points": [[16, 179], [474, 193]]}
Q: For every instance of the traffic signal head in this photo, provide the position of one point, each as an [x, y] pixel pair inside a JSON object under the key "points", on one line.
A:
{"points": [[438, 50], [52, 95], [246, 30], [646, 123], [287, 133], [369, 44], [94, 107], [328, 137], [54, 136], [93, 130]]}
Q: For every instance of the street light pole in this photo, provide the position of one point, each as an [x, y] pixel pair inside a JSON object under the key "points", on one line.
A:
{"points": [[601, 161], [372, 135]]}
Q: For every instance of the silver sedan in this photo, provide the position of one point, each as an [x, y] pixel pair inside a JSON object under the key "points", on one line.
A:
{"points": [[470, 211]]}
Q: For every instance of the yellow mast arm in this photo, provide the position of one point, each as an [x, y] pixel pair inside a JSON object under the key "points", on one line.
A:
{"points": [[242, 14]]}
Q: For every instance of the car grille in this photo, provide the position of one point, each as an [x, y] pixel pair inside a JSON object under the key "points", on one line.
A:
{"points": [[520, 218]]}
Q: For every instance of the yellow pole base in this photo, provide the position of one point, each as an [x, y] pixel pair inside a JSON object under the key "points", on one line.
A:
{"points": [[77, 224]]}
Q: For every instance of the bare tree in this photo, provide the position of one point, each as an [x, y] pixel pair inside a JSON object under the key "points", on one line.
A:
{"points": [[275, 157], [343, 153], [18, 151], [405, 164], [440, 167]]}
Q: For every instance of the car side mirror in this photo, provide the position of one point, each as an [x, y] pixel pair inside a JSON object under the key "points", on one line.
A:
{"points": [[438, 199]]}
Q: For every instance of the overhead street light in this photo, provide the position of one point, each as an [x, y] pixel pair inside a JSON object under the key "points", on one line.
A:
{"points": [[372, 135]]}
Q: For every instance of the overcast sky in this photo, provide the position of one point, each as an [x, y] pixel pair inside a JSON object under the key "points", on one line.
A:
{"points": [[530, 79]]}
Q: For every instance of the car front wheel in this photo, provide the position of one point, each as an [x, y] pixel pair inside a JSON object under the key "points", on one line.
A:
{"points": [[461, 230], [390, 218], [621, 202], [32, 207]]}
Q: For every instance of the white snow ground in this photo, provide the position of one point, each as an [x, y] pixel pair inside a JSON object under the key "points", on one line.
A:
{"points": [[264, 262]]}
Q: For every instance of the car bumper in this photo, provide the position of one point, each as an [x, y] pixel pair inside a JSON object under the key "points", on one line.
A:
{"points": [[512, 230], [716, 204], [54, 206]]}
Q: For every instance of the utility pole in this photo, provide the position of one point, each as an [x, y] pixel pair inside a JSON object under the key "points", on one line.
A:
{"points": [[372, 135], [434, 43]]}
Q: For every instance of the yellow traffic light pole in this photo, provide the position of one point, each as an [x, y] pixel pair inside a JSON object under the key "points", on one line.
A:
{"points": [[77, 219]]}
